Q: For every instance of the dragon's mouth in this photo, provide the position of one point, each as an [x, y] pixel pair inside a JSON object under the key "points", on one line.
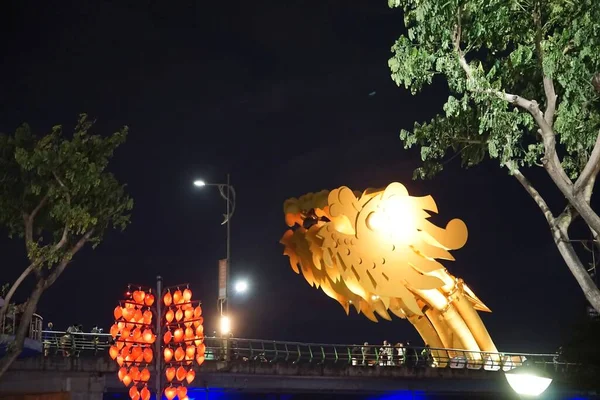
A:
{"points": [[309, 219]]}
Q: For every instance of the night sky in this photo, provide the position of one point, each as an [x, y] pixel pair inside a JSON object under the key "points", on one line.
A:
{"points": [[288, 97]]}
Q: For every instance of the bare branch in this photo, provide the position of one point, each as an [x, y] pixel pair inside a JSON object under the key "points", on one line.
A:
{"points": [[63, 239], [14, 288], [66, 258], [590, 171], [535, 195], [28, 220]]}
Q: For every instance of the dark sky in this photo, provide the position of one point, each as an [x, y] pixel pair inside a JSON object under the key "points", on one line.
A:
{"points": [[276, 94]]}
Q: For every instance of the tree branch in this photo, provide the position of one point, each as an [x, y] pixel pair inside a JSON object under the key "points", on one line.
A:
{"points": [[549, 91], [28, 220], [66, 258], [63, 239], [590, 171], [535, 195], [551, 162], [13, 289]]}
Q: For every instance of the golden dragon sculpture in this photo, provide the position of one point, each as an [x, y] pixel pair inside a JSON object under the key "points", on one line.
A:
{"points": [[378, 252]]}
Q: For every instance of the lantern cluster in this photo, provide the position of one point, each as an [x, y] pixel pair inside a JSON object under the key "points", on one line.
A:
{"points": [[133, 338], [183, 341]]}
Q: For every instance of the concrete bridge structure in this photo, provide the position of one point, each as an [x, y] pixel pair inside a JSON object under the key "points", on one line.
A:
{"points": [[81, 366]]}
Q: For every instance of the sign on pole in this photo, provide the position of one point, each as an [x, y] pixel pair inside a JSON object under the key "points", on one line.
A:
{"points": [[223, 279]]}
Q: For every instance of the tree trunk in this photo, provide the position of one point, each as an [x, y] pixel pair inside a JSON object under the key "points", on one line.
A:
{"points": [[583, 278], [559, 227], [12, 291], [15, 348]]}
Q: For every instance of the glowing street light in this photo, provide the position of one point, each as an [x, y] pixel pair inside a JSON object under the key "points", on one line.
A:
{"points": [[528, 381], [241, 286], [225, 325], [227, 192]]}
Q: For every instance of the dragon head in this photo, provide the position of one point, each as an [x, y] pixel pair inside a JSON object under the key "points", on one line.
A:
{"points": [[373, 250]]}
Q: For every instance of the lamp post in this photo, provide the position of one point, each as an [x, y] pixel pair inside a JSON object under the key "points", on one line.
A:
{"points": [[227, 192]]}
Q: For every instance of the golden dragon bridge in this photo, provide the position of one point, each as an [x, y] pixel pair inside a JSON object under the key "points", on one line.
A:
{"points": [[378, 252]]}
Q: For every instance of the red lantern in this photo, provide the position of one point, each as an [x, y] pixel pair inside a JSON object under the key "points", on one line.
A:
{"points": [[200, 359], [145, 393], [147, 317], [169, 316], [133, 393], [121, 325], [114, 331], [125, 334], [138, 296], [170, 392], [134, 373], [179, 354], [120, 344], [190, 351], [167, 299], [190, 376], [168, 354], [120, 360], [148, 336], [113, 352], [200, 349], [118, 312], [180, 374], [189, 333], [170, 373], [148, 355], [187, 295], [121, 374], [149, 300], [136, 334], [181, 392], [178, 335], [197, 312], [135, 353], [145, 375], [167, 337], [179, 315], [189, 314], [126, 380], [178, 297], [128, 313], [138, 316], [200, 330]]}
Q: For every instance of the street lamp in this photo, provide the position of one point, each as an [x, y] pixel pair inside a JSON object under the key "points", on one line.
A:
{"points": [[528, 381], [241, 287], [225, 325], [228, 194]]}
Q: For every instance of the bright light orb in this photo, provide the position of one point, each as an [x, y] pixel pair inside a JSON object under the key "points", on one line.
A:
{"points": [[395, 219], [199, 183], [241, 286], [527, 384], [225, 325]]}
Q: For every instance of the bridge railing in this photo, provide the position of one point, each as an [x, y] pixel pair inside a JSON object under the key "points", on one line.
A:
{"points": [[10, 323], [270, 351]]}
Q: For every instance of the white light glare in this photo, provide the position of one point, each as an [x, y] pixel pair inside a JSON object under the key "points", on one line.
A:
{"points": [[199, 183], [225, 325], [241, 286], [528, 384]]}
